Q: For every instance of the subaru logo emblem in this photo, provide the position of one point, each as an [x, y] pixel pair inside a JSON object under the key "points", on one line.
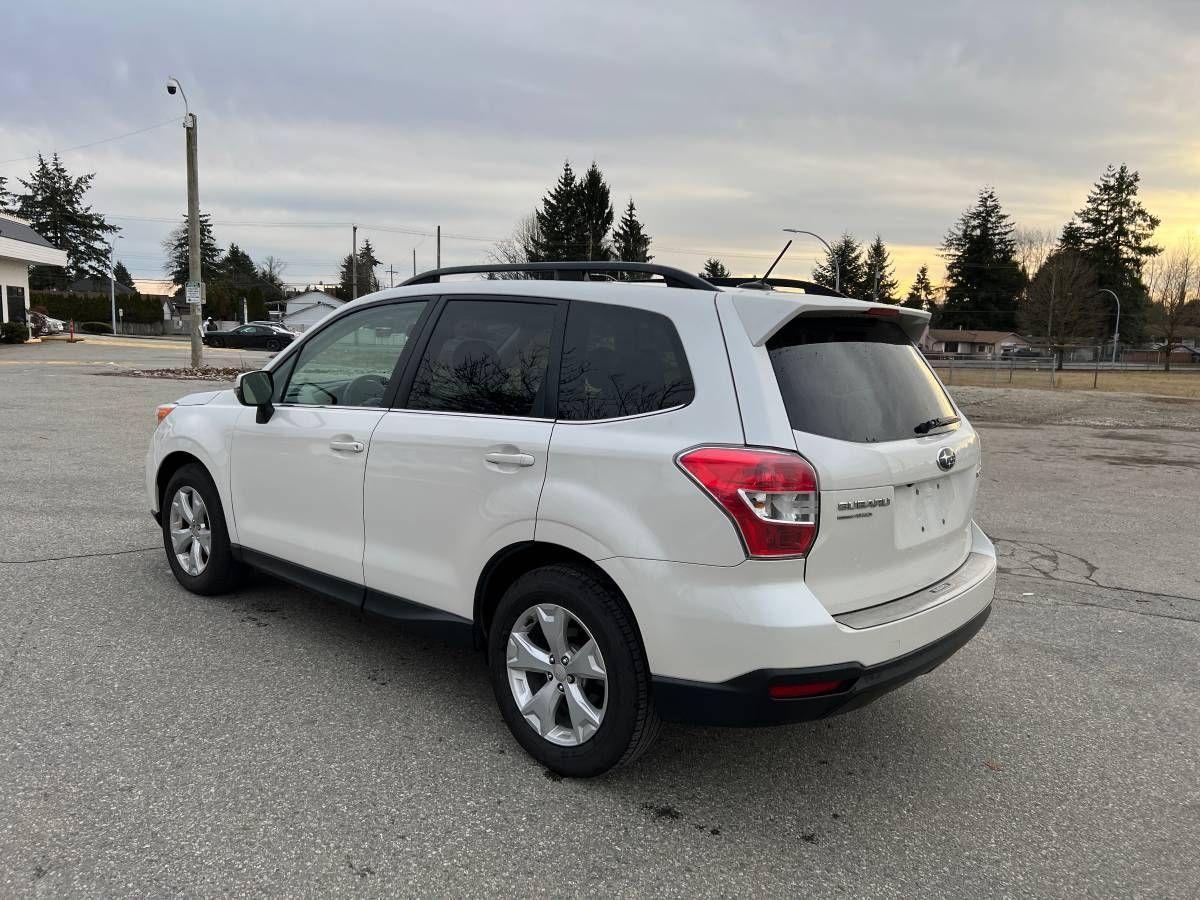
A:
{"points": [[946, 459]]}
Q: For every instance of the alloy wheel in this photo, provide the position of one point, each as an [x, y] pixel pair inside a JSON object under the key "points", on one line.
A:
{"points": [[191, 532], [557, 675]]}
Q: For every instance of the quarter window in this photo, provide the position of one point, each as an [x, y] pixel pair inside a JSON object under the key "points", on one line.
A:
{"points": [[486, 356], [352, 361], [619, 361]]}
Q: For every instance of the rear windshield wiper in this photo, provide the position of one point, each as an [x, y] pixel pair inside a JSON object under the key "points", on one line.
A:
{"points": [[926, 427]]}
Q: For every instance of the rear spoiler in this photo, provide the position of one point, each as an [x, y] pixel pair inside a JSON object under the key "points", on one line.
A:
{"points": [[764, 314]]}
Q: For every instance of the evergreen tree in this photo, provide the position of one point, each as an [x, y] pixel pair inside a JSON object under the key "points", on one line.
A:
{"points": [[53, 204], [368, 281], [8, 200], [1114, 231], [121, 275], [596, 212], [714, 268], [983, 277], [238, 269], [880, 274], [175, 246], [850, 267], [559, 220], [630, 241], [921, 295]]}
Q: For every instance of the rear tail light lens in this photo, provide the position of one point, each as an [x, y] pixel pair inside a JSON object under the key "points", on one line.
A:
{"points": [[771, 496]]}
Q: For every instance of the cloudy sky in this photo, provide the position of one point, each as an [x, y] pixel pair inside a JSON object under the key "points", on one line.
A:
{"points": [[724, 121]]}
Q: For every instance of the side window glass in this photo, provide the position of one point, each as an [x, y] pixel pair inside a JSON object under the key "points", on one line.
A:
{"points": [[486, 356], [351, 362], [618, 361]]}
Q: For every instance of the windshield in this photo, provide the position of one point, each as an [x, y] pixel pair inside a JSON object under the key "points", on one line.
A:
{"points": [[855, 379]]}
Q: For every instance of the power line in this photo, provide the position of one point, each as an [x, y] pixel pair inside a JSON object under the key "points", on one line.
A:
{"points": [[116, 137]]}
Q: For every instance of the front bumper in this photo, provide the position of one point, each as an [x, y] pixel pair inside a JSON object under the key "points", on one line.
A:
{"points": [[745, 700]]}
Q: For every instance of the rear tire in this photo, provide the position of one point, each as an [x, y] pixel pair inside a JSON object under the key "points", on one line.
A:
{"points": [[194, 534], [566, 737], [215, 342]]}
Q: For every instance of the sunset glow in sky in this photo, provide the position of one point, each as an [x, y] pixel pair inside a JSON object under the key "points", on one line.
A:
{"points": [[725, 124]]}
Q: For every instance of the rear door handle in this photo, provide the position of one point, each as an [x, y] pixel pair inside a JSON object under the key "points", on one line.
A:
{"points": [[348, 446], [510, 459]]}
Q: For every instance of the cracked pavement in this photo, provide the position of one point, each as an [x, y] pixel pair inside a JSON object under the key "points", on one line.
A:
{"points": [[270, 742]]}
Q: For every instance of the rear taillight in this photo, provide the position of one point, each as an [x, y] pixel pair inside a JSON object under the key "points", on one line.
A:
{"points": [[770, 495]]}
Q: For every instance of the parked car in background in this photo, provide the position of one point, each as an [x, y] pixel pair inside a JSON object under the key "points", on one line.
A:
{"points": [[251, 336], [42, 325], [646, 502], [1024, 353]]}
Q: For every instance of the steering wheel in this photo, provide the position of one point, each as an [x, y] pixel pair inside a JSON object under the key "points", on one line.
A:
{"points": [[365, 390]]}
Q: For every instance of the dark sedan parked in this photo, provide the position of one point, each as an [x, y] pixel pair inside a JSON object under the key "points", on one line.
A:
{"points": [[250, 337]]}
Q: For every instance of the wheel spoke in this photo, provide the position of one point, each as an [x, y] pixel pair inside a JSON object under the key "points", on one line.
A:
{"points": [[553, 620], [539, 710], [184, 499], [204, 537], [180, 539], [585, 718], [524, 655], [197, 559], [587, 662]]}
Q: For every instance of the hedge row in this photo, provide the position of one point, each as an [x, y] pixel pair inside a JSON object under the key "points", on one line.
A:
{"points": [[95, 308]]}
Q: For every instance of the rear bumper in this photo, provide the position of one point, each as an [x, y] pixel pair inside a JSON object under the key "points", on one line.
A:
{"points": [[744, 701]]}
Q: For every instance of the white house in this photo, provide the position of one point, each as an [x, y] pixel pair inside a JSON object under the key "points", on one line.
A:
{"points": [[20, 248], [975, 342], [305, 310]]}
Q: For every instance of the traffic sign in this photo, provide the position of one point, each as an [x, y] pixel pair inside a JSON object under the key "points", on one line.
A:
{"points": [[192, 290]]}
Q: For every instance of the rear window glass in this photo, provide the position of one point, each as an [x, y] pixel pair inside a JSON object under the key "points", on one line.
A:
{"points": [[854, 379], [618, 361]]}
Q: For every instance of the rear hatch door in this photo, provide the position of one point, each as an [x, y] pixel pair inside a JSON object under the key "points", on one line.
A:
{"points": [[897, 475]]}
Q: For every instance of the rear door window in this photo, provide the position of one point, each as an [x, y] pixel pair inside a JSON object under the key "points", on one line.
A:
{"points": [[486, 356], [618, 361], [854, 379]]}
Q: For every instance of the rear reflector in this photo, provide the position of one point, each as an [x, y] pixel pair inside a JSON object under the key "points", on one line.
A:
{"points": [[771, 496], [805, 689]]}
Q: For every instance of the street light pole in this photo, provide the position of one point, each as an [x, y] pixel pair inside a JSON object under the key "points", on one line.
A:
{"points": [[837, 273], [1117, 324], [193, 192], [112, 279]]}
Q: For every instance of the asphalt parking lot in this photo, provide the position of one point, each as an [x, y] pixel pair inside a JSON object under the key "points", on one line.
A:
{"points": [[153, 742]]}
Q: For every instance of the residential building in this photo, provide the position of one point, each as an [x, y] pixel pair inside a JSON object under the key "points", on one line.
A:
{"points": [[305, 310], [973, 342]]}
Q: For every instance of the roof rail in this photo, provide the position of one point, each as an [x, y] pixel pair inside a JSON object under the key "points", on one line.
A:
{"points": [[809, 287], [572, 271]]}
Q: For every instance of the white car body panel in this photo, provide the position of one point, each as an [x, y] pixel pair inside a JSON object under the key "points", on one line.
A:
{"points": [[437, 509], [297, 498]]}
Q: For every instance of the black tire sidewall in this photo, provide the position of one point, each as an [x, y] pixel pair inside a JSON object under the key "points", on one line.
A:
{"points": [[222, 570], [273, 345], [592, 604]]}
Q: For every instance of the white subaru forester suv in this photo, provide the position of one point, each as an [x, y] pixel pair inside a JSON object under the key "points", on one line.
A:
{"points": [[655, 500]]}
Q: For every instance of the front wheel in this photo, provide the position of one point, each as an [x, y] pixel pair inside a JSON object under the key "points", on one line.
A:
{"points": [[273, 345], [569, 672], [194, 533]]}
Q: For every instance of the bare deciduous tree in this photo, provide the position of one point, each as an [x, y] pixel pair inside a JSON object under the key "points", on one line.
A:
{"points": [[1033, 248], [1061, 301], [520, 248], [1174, 282]]}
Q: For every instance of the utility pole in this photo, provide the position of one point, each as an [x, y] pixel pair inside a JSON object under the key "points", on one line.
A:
{"points": [[414, 262], [196, 295], [439, 247], [391, 275], [353, 262], [112, 279]]}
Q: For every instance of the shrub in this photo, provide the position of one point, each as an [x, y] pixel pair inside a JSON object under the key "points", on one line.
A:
{"points": [[96, 307], [14, 333]]}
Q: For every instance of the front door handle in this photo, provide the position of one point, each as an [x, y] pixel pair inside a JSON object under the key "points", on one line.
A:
{"points": [[347, 446], [510, 459]]}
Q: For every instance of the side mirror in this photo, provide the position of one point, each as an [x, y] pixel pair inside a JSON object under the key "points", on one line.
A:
{"points": [[256, 389]]}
